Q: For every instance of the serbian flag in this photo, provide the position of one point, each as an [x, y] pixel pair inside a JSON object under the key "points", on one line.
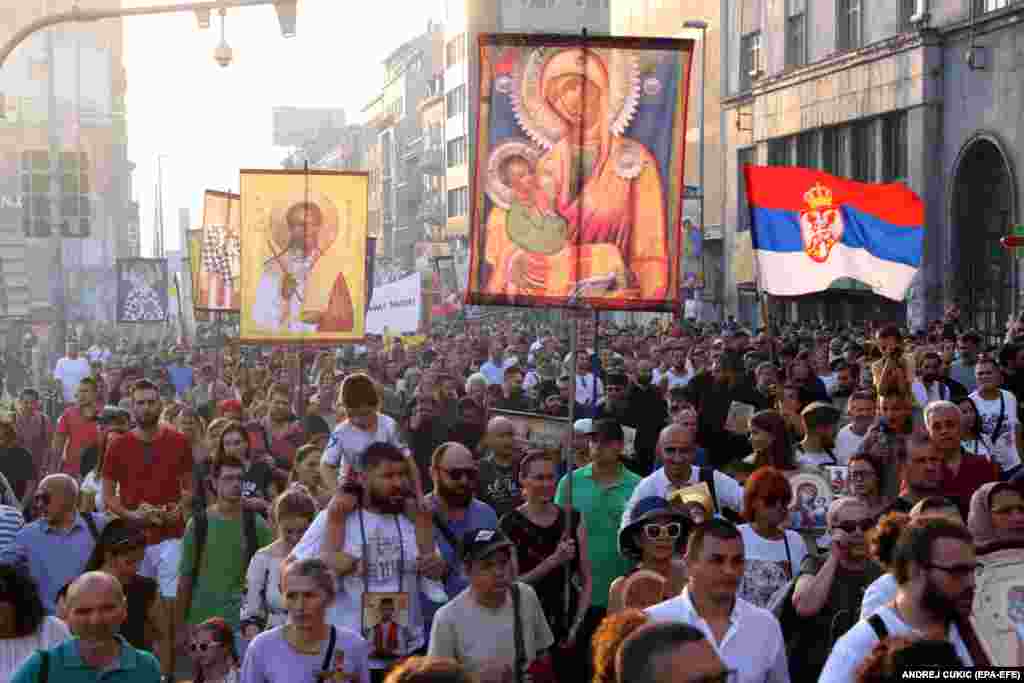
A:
{"points": [[810, 229]]}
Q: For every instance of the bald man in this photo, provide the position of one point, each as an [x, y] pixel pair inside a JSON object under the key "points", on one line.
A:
{"points": [[498, 485], [677, 446], [456, 508], [56, 546], [97, 608]]}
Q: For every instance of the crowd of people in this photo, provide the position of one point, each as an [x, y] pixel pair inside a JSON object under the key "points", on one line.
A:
{"points": [[270, 515]]}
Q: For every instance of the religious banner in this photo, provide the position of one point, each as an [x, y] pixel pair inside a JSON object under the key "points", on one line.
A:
{"points": [[578, 189], [219, 266], [195, 250], [303, 245], [142, 290]]}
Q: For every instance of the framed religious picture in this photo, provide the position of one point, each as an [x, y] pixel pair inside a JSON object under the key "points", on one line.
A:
{"points": [[534, 430], [812, 496], [447, 276], [142, 290], [839, 478], [386, 624], [303, 242], [577, 196], [998, 613]]}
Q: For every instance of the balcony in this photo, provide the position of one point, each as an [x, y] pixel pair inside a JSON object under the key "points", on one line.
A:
{"points": [[432, 209], [432, 159]]}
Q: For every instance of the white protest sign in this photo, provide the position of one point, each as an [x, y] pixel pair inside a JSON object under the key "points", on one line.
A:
{"points": [[395, 306]]}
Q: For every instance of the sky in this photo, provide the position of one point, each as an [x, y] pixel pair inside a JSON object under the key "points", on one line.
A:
{"points": [[204, 122]]}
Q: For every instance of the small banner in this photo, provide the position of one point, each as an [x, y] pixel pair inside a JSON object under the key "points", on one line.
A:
{"points": [[219, 266], [578, 190], [142, 285], [396, 307]]}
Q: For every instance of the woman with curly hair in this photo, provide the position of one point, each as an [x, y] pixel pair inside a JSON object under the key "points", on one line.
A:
{"points": [[213, 653], [24, 626], [894, 656], [608, 640], [429, 670], [881, 542]]}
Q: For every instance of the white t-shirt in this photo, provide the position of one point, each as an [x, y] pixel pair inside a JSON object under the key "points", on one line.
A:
{"points": [[989, 412], [585, 389], [727, 490], [390, 565], [70, 373], [815, 458], [348, 442], [675, 380], [768, 566], [847, 443], [857, 643], [1003, 450], [881, 592]]}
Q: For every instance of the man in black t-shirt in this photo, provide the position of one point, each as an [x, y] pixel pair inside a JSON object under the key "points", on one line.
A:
{"points": [[16, 463]]}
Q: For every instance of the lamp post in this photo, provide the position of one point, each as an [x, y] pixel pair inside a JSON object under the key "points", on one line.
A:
{"points": [[701, 26]]}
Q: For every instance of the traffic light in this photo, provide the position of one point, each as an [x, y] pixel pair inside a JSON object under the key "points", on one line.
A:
{"points": [[35, 193]]}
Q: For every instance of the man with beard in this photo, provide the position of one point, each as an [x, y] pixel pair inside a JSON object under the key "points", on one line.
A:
{"points": [[455, 510], [373, 548], [828, 591], [427, 431], [145, 474], [76, 428], [821, 422], [712, 394], [676, 375], [767, 385], [513, 396], [930, 385], [469, 428], [922, 472], [499, 468], [842, 386], [934, 564], [647, 413], [96, 610], [965, 473]]}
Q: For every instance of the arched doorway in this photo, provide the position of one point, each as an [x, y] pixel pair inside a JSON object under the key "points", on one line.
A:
{"points": [[983, 210]]}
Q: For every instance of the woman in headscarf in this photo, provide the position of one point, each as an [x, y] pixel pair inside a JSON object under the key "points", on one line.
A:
{"points": [[996, 515], [605, 186]]}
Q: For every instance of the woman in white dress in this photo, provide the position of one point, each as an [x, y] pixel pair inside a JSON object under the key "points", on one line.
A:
{"points": [[264, 606], [24, 626]]}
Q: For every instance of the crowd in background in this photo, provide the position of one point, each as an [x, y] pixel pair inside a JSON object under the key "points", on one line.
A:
{"points": [[264, 514]]}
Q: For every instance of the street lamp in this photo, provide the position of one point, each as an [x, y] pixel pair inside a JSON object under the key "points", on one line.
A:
{"points": [[702, 26]]}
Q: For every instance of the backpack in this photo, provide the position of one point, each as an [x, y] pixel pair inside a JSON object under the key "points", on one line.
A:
{"points": [[201, 526]]}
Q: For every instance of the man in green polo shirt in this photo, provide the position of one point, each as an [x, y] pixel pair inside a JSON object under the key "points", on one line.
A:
{"points": [[96, 610], [600, 492]]}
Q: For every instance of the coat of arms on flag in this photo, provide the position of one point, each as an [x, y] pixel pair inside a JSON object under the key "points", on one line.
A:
{"points": [[821, 223]]}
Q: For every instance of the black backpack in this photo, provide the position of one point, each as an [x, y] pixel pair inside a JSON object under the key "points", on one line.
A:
{"points": [[201, 526]]}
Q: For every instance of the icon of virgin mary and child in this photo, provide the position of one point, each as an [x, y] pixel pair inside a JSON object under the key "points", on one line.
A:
{"points": [[579, 209]]}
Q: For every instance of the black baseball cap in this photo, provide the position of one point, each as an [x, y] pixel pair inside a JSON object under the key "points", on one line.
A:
{"points": [[480, 544]]}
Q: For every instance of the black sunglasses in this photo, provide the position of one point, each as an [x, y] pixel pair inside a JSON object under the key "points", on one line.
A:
{"points": [[202, 647]]}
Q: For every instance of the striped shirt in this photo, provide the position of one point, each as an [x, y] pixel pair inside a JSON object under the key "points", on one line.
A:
{"points": [[11, 521]]}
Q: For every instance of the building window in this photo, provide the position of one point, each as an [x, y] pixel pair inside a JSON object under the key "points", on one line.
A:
{"points": [[455, 50], [744, 157], [750, 60], [862, 151], [908, 10], [807, 150], [830, 150], [849, 32], [778, 152], [458, 202], [457, 101], [895, 153], [73, 213], [982, 6], [456, 152], [796, 33]]}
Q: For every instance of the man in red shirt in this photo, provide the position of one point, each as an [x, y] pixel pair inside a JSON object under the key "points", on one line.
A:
{"points": [[965, 473], [76, 428], [152, 464]]}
